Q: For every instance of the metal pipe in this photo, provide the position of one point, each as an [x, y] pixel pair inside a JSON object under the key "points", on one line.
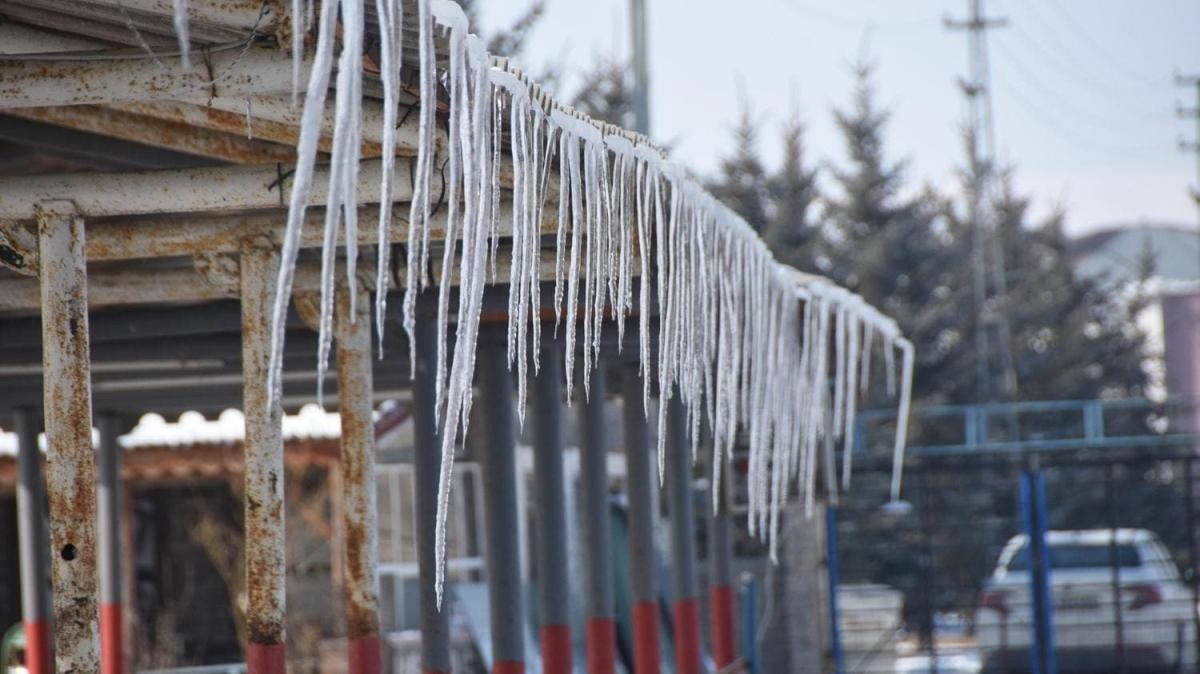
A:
{"points": [[427, 451], [352, 329], [36, 83], [598, 574], [721, 592], [32, 544], [70, 461], [683, 543], [549, 495], [501, 510], [266, 571], [639, 487], [109, 538]]}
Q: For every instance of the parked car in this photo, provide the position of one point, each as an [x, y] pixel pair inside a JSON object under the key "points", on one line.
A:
{"points": [[1114, 597]]}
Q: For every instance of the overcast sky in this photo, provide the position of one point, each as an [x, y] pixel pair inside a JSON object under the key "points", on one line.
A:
{"points": [[1083, 89]]}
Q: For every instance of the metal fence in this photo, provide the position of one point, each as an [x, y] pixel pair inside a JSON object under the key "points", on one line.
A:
{"points": [[1077, 558]]}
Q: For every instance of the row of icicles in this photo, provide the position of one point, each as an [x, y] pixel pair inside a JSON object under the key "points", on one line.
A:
{"points": [[747, 343]]}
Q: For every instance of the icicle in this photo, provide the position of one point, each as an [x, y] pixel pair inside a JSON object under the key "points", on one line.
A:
{"points": [[180, 8], [391, 21], [306, 151], [418, 218], [906, 348]]}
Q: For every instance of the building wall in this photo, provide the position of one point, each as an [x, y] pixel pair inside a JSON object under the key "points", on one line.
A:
{"points": [[1181, 350]]}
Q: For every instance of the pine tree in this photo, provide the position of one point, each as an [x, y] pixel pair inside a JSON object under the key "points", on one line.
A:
{"points": [[793, 232], [742, 181]]}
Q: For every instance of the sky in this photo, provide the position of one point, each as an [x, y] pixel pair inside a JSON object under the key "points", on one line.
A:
{"points": [[1083, 90]]}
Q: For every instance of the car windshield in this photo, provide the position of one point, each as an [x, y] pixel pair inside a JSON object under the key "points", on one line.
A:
{"points": [[1080, 556]]}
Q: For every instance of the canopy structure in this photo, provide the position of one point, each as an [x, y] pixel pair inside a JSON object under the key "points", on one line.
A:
{"points": [[197, 187]]}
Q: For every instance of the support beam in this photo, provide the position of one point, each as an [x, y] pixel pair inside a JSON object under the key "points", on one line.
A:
{"points": [[639, 487], [721, 594], [37, 83], [266, 571], [683, 542], [212, 21], [224, 188], [33, 544], [70, 462], [549, 495], [501, 510], [593, 476], [360, 561], [427, 451], [109, 537]]}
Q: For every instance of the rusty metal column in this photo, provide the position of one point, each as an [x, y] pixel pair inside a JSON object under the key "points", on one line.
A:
{"points": [[593, 478], [109, 536], [721, 595], [70, 458], [352, 326], [501, 510], [266, 572], [639, 486], [427, 453], [553, 591], [33, 544], [683, 542]]}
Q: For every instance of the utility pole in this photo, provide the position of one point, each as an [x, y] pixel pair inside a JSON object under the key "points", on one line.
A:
{"points": [[641, 70], [1193, 146], [976, 86]]}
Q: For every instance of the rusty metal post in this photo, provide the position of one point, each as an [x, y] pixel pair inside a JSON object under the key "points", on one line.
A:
{"points": [[549, 493], [501, 510], [70, 460], [427, 453], [352, 328], [683, 542], [721, 595], [593, 476], [109, 538], [266, 573], [33, 544], [639, 487]]}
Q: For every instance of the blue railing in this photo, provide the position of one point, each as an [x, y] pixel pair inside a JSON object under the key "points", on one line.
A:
{"points": [[1040, 426]]}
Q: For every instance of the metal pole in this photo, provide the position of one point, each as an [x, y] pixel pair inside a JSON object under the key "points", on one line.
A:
{"points": [[835, 630], [750, 621], [553, 591], [643, 562], [641, 69], [601, 623], [501, 510], [70, 459], [721, 594], [33, 544], [427, 452], [1032, 495], [266, 571], [1189, 510], [1115, 567], [352, 326], [683, 543], [109, 538]]}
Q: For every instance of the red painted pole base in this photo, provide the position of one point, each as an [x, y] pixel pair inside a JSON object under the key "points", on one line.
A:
{"points": [[508, 667], [112, 660], [601, 646], [721, 599], [365, 654], [687, 636], [646, 655], [37, 647], [266, 659], [557, 653]]}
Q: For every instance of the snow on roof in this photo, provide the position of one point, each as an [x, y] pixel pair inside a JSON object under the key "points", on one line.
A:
{"points": [[192, 428]]}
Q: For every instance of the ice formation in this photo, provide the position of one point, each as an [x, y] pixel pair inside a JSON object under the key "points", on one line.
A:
{"points": [[745, 342]]}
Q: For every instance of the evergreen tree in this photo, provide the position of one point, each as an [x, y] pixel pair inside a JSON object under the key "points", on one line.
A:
{"points": [[606, 92], [742, 182], [793, 233]]}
